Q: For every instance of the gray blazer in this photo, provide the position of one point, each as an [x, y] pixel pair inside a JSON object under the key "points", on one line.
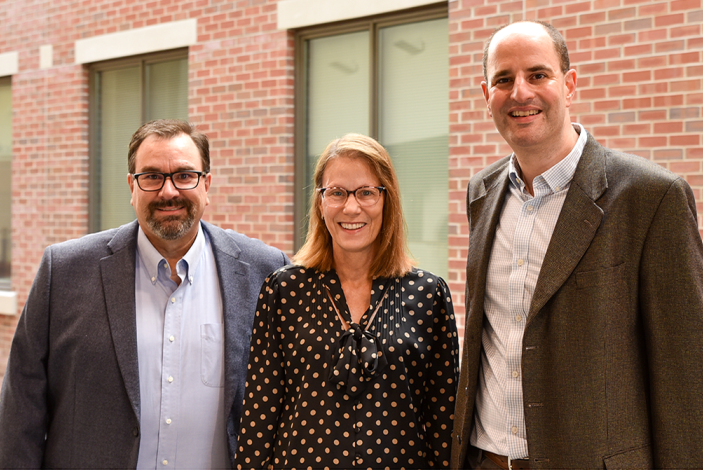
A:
{"points": [[70, 396], [612, 365]]}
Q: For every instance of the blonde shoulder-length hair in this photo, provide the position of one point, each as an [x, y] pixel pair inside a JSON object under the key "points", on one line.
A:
{"points": [[393, 258]]}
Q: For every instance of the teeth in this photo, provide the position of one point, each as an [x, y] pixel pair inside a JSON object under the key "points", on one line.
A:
{"points": [[352, 226], [531, 112]]}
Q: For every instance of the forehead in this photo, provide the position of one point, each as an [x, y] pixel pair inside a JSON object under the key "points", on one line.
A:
{"points": [[349, 168], [521, 43], [174, 152]]}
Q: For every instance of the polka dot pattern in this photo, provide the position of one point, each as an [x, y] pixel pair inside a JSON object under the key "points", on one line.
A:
{"points": [[295, 417]]}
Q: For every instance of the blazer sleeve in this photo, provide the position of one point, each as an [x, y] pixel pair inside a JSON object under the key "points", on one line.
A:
{"points": [[24, 411], [671, 303]]}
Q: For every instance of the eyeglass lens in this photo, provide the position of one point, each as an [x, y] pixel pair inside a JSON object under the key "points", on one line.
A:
{"points": [[365, 196], [181, 180]]}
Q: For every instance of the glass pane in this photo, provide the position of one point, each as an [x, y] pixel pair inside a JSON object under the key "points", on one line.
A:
{"points": [[337, 92], [167, 90], [120, 115], [5, 182], [414, 127]]}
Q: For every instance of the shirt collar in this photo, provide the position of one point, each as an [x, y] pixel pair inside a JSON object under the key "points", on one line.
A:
{"points": [[155, 264], [557, 177]]}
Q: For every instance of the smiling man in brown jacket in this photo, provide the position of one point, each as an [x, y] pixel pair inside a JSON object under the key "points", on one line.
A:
{"points": [[584, 333]]}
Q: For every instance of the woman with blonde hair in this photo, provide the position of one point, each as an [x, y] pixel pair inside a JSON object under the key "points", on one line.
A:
{"points": [[354, 354]]}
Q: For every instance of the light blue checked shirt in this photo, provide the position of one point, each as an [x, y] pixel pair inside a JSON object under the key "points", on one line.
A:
{"points": [[521, 240], [180, 342]]}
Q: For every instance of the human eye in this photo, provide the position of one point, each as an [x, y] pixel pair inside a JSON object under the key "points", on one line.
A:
{"points": [[151, 177], [367, 192], [185, 176], [336, 192]]}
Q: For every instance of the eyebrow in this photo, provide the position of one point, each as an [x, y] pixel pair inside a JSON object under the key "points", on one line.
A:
{"points": [[153, 169], [534, 68]]}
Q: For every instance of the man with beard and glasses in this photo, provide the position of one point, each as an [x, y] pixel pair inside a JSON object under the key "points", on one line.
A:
{"points": [[132, 348]]}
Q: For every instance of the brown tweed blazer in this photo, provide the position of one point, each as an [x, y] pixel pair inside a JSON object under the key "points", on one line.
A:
{"points": [[612, 361]]}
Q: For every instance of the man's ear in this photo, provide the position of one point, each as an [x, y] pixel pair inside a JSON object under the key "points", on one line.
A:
{"points": [[570, 84]]}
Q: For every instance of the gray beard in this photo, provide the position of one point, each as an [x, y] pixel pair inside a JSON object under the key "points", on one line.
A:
{"points": [[171, 228]]}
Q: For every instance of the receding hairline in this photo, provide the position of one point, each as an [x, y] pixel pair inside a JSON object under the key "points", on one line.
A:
{"points": [[553, 35]]}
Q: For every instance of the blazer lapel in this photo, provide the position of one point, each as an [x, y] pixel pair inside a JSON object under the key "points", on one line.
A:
{"points": [[117, 271], [232, 274], [578, 223], [484, 214]]}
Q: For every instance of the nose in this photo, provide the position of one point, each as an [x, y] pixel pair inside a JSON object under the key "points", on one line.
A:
{"points": [[522, 90], [351, 205], [168, 191]]}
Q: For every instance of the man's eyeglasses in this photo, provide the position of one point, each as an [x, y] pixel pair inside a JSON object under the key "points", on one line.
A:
{"points": [[154, 181], [365, 195]]}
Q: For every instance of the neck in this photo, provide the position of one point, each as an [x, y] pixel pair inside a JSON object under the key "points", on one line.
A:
{"points": [[536, 160], [353, 268], [173, 250]]}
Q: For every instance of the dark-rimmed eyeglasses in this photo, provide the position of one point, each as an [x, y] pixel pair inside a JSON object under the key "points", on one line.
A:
{"points": [[365, 195], [154, 181]]}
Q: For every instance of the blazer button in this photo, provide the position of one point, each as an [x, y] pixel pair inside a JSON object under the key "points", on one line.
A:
{"points": [[135, 432]]}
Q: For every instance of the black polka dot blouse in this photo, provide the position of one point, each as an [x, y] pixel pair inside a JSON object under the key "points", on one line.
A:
{"points": [[377, 395]]}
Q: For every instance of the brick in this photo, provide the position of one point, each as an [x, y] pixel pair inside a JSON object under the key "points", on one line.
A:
{"points": [[655, 9], [619, 40], [669, 20], [668, 154], [638, 25], [684, 113], [684, 31], [621, 14], [621, 117], [685, 58], [640, 76], [669, 46], [677, 5], [655, 88], [685, 140], [668, 127]]}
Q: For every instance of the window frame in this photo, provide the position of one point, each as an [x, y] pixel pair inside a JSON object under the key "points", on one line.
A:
{"points": [[373, 25], [6, 285], [141, 61]]}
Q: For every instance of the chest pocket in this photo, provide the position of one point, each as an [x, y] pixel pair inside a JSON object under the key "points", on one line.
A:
{"points": [[212, 370]]}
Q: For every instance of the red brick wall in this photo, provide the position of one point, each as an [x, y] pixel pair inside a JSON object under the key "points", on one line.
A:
{"points": [[639, 89]]}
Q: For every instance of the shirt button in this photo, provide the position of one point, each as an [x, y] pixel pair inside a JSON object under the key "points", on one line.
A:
{"points": [[170, 379], [173, 300], [514, 429], [530, 208], [153, 279], [557, 188], [173, 338], [520, 262], [165, 462], [518, 318], [168, 420], [516, 374]]}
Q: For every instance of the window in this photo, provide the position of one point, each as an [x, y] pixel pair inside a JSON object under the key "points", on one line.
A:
{"points": [[5, 182], [387, 78], [126, 94]]}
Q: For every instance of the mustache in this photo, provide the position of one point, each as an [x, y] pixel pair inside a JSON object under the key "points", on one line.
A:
{"points": [[154, 205]]}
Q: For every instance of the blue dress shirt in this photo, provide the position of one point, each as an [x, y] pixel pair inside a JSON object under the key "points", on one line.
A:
{"points": [[180, 341]]}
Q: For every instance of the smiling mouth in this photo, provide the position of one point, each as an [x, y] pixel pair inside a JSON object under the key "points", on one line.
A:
{"points": [[531, 112], [352, 226]]}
